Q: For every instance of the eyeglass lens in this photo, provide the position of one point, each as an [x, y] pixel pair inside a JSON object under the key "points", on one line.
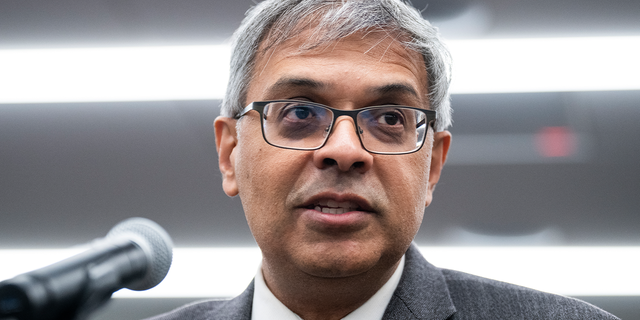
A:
{"points": [[392, 129]]}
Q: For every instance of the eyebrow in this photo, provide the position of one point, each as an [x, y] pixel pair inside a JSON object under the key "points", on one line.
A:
{"points": [[395, 88], [288, 83]]}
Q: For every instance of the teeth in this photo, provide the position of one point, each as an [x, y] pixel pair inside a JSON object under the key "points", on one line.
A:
{"points": [[335, 207], [334, 210]]}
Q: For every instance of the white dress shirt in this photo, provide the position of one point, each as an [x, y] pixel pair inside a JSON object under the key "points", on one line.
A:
{"points": [[267, 307]]}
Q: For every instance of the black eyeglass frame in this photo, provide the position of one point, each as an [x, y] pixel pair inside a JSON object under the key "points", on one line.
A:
{"points": [[259, 106]]}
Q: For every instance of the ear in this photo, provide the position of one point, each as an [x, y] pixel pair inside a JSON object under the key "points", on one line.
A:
{"points": [[439, 151], [226, 141]]}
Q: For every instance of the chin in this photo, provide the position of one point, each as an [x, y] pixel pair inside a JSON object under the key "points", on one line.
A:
{"points": [[337, 269], [337, 261]]}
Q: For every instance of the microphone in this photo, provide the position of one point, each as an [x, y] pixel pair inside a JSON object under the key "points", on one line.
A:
{"points": [[136, 254]]}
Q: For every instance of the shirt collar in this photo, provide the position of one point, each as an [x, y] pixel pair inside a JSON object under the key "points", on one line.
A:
{"points": [[266, 306]]}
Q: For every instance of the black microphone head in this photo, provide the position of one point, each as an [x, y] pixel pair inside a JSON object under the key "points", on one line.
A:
{"points": [[156, 244]]}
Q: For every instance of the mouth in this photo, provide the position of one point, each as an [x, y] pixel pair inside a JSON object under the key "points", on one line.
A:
{"points": [[336, 207]]}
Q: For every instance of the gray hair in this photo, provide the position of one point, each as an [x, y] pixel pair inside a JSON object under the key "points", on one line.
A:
{"points": [[275, 21]]}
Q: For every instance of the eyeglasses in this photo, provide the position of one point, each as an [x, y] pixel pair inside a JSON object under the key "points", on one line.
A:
{"points": [[303, 125]]}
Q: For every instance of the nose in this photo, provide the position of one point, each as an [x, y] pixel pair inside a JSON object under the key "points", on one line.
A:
{"points": [[343, 149]]}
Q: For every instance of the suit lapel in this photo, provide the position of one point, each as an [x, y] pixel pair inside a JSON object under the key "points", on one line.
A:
{"points": [[238, 308], [422, 292]]}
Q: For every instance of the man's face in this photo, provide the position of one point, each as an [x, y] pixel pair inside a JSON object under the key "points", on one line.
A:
{"points": [[291, 197]]}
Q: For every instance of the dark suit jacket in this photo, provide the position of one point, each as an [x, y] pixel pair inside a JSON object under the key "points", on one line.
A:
{"points": [[427, 292]]}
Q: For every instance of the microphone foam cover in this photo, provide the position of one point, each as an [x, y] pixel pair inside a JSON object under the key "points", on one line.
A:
{"points": [[154, 241]]}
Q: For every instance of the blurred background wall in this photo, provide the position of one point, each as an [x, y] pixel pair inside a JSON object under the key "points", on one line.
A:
{"points": [[556, 168]]}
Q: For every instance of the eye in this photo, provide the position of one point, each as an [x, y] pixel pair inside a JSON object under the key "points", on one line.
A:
{"points": [[390, 118], [297, 112], [302, 113]]}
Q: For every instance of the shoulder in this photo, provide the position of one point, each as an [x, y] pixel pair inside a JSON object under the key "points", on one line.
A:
{"points": [[475, 296], [238, 308], [196, 310], [425, 290]]}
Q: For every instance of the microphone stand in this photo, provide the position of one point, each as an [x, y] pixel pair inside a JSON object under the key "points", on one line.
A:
{"points": [[31, 296]]}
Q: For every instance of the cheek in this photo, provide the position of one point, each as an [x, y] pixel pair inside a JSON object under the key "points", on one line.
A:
{"points": [[257, 191], [408, 177], [255, 165], [421, 165], [266, 175], [409, 174]]}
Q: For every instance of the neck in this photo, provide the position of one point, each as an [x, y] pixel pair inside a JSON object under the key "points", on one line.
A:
{"points": [[312, 297]]}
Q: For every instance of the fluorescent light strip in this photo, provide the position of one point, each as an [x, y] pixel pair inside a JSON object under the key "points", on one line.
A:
{"points": [[201, 72], [113, 74], [225, 272], [545, 65]]}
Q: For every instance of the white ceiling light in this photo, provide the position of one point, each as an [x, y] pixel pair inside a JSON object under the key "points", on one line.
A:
{"points": [[225, 272], [113, 74], [544, 65], [201, 72]]}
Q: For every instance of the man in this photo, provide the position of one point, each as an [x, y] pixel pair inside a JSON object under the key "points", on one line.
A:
{"points": [[333, 134]]}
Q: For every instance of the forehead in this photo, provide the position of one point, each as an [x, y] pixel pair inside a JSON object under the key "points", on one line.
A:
{"points": [[374, 58]]}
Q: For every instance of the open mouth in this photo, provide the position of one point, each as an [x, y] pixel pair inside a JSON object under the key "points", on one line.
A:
{"points": [[334, 207]]}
